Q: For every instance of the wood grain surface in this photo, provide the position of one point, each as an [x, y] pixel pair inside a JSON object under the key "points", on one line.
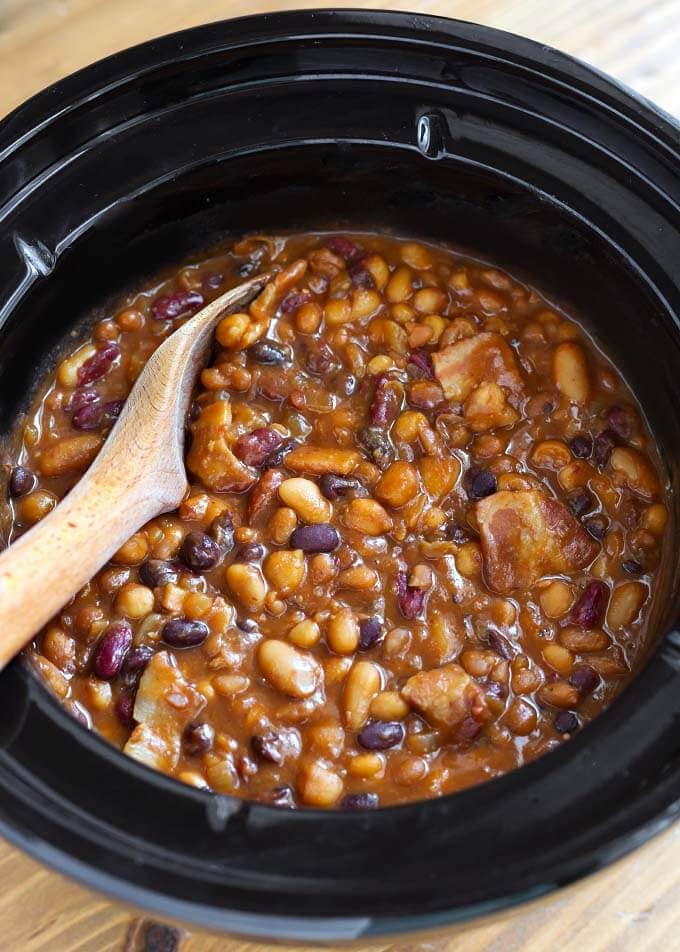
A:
{"points": [[633, 906]]}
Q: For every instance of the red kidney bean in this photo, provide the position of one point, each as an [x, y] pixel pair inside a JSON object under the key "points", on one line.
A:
{"points": [[318, 538], [184, 633], [381, 735], [21, 481], [294, 300], [82, 397], [480, 483], [385, 405], [603, 446], [156, 572], [254, 448], [581, 446], [268, 747], [344, 248], [584, 678], [320, 359], [111, 649], [370, 633], [278, 456], [200, 552], [137, 659], [270, 353], [411, 600], [361, 801], [590, 606], [181, 303], [621, 421], [198, 738], [423, 361], [566, 722], [87, 417], [124, 708], [98, 364]]}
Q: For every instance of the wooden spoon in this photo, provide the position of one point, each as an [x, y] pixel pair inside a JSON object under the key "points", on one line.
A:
{"points": [[138, 474]]}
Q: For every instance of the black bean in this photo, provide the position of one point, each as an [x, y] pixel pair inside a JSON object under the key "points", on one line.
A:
{"points": [[246, 624], [184, 633], [376, 444], [480, 483], [584, 678], [137, 659], [370, 633], [277, 457], [499, 644], [621, 420], [318, 538], [631, 567], [596, 527], [335, 487], [361, 801], [270, 353], [198, 738], [603, 446], [21, 481], [200, 552], [282, 797], [156, 572], [566, 722], [222, 531], [580, 501], [252, 552], [161, 938], [581, 447], [381, 735], [268, 747]]}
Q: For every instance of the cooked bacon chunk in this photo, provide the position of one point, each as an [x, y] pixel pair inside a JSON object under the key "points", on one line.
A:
{"points": [[483, 358], [210, 457], [526, 535], [447, 697], [164, 705]]}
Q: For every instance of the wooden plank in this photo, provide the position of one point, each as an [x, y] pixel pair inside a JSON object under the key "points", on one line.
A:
{"points": [[631, 907]]}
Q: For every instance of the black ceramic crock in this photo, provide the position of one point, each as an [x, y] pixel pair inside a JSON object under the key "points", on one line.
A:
{"points": [[422, 127]]}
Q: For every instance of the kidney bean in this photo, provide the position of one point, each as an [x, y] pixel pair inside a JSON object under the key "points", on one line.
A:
{"points": [[566, 722], [21, 481], [124, 708], [282, 797], [270, 353], [361, 277], [137, 659], [581, 446], [361, 801], [184, 633], [336, 487], [320, 360], [422, 361], [200, 552], [597, 527], [377, 445], [222, 531], [318, 538], [294, 300], [87, 417], [156, 572], [480, 483], [468, 729], [111, 649], [385, 405], [411, 600], [381, 735], [584, 678], [370, 633], [499, 644], [181, 303], [277, 457], [211, 280], [621, 421], [252, 552], [82, 397], [98, 364], [254, 448], [603, 446], [198, 738], [344, 247], [631, 567], [580, 501], [590, 606], [268, 747]]}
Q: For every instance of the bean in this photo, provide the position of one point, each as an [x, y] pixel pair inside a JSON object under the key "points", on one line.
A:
{"points": [[246, 585], [304, 496], [98, 364], [558, 694], [268, 747], [570, 372], [584, 678], [111, 650], [635, 471], [137, 659], [322, 460], [389, 706], [69, 455], [270, 353], [421, 360], [377, 445], [222, 531], [345, 248], [343, 632], [398, 484], [480, 483], [370, 633], [319, 538], [361, 801], [156, 573], [566, 722], [169, 307], [198, 739], [21, 481], [367, 516], [294, 300], [603, 446], [290, 671], [255, 447], [134, 601], [411, 600], [625, 604], [381, 735], [621, 420], [124, 709], [581, 446], [319, 786], [200, 552], [184, 633], [285, 570], [335, 487], [590, 606], [363, 683], [386, 403], [305, 634]]}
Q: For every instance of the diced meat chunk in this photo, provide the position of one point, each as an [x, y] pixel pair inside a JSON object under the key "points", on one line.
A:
{"points": [[210, 457], [472, 361], [164, 705], [447, 697], [487, 408], [526, 535]]}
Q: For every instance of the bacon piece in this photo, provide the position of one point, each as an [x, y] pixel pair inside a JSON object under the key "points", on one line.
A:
{"points": [[446, 697], [526, 535], [210, 457], [472, 361]]}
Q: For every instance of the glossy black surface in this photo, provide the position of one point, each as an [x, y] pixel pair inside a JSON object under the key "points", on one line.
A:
{"points": [[422, 127]]}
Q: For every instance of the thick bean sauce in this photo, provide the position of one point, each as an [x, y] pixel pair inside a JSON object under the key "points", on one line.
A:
{"points": [[420, 544]]}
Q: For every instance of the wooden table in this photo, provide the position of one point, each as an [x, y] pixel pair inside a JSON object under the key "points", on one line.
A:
{"points": [[631, 907]]}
